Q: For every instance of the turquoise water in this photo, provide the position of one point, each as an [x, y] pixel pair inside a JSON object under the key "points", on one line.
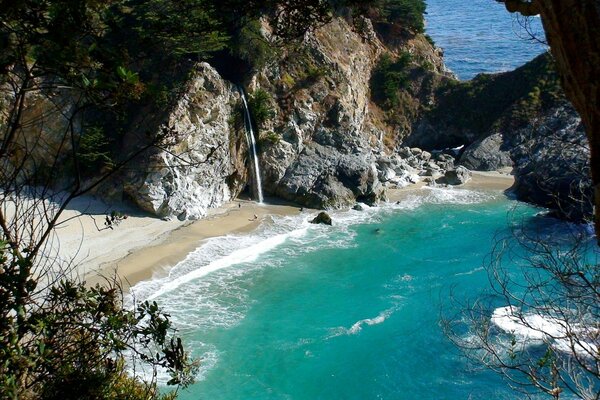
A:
{"points": [[481, 36], [298, 311]]}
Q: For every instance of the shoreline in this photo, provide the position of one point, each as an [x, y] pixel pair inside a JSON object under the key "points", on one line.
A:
{"points": [[169, 242]]}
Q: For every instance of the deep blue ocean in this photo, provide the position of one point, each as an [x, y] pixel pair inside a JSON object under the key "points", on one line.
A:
{"points": [[481, 36], [299, 311]]}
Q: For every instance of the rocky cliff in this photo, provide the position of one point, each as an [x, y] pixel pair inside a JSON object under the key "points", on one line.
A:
{"points": [[519, 121], [348, 112], [204, 163], [328, 141]]}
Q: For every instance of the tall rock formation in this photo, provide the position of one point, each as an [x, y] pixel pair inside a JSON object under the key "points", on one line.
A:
{"points": [[203, 165]]}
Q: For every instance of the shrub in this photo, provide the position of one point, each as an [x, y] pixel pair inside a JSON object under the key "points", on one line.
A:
{"points": [[250, 45], [260, 107], [408, 13], [388, 78]]}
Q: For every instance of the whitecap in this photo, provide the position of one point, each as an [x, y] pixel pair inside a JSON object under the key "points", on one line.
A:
{"points": [[358, 326], [531, 328], [471, 272]]}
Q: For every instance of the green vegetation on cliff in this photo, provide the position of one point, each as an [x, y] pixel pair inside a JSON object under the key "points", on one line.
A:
{"points": [[517, 96], [463, 112]]}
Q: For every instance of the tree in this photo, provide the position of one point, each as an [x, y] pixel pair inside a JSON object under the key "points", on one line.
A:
{"points": [[573, 32]]}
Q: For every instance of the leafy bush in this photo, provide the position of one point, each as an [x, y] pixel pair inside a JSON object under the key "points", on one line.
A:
{"points": [[269, 138], [72, 343], [250, 45], [405, 12], [388, 78], [260, 107]]}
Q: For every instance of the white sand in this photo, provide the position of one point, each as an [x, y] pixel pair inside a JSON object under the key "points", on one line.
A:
{"points": [[142, 246]]}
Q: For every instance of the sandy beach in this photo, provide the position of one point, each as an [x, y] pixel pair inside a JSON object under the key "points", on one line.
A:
{"points": [[142, 246]]}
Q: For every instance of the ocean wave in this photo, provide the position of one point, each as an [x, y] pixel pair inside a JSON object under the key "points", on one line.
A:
{"points": [[532, 328], [220, 253], [208, 356], [358, 325], [239, 256], [448, 195], [471, 272]]}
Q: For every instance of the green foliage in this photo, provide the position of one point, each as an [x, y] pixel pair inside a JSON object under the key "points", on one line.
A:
{"points": [[94, 149], [430, 40], [388, 78], [250, 45], [72, 343], [176, 27], [408, 13], [288, 81], [261, 108], [269, 138], [508, 100]]}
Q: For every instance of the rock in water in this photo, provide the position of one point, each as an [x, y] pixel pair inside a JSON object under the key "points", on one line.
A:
{"points": [[457, 176], [322, 218]]}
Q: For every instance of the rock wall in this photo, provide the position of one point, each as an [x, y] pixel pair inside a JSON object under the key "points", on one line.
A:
{"points": [[552, 165], [517, 120], [326, 140], [204, 165]]}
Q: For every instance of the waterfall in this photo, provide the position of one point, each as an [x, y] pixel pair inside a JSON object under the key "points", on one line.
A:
{"points": [[252, 145]]}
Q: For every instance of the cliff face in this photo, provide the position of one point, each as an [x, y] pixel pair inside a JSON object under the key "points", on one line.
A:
{"points": [[328, 144], [203, 165], [324, 146], [517, 120], [341, 122], [325, 139]]}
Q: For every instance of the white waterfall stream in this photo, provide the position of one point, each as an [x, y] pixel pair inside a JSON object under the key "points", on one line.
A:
{"points": [[252, 145]]}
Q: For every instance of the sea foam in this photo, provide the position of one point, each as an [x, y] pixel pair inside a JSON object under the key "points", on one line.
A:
{"points": [[532, 328]]}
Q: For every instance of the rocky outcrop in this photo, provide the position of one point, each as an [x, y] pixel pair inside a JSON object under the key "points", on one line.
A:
{"points": [[203, 165], [326, 152], [466, 112], [457, 176], [487, 154], [552, 167], [518, 119], [322, 218]]}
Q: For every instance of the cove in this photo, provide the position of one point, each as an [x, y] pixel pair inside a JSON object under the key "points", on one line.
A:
{"points": [[344, 312]]}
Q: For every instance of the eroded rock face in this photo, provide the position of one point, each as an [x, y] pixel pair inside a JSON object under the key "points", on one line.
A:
{"points": [[326, 155], [552, 165], [488, 154], [201, 167]]}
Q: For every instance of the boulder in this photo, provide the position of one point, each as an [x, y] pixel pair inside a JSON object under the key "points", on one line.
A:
{"points": [[457, 176], [415, 151], [488, 154], [404, 152], [322, 218]]}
